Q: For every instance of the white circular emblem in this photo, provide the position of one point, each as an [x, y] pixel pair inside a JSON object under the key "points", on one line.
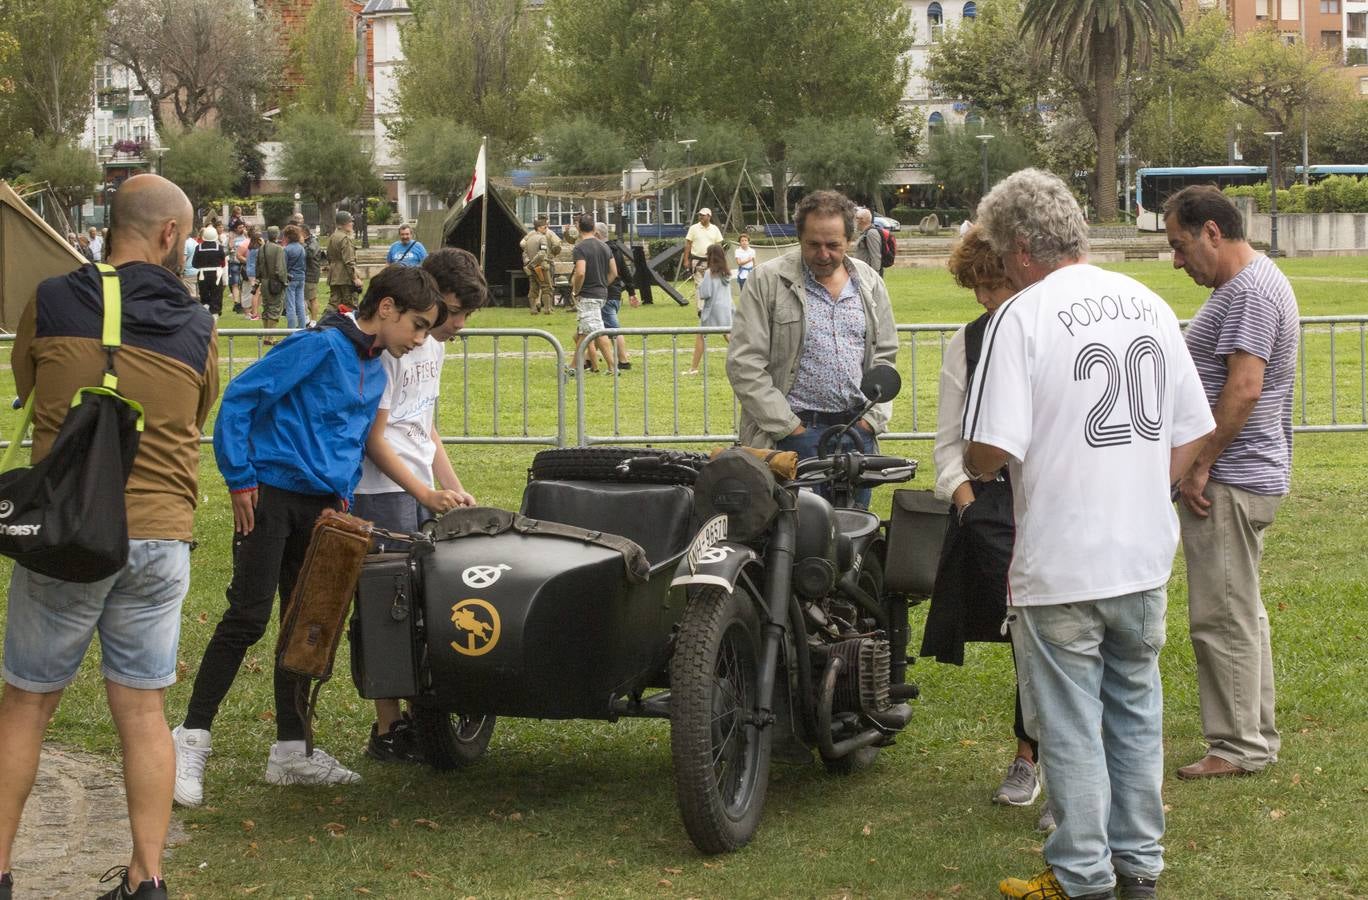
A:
{"points": [[6, 508], [714, 555], [483, 576]]}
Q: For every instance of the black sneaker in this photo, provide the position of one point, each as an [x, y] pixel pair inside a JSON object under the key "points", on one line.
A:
{"points": [[237, 308], [624, 366], [6, 886], [152, 889], [399, 744], [1133, 887]]}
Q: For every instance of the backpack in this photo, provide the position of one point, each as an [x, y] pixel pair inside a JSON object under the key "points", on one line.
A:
{"points": [[888, 247]]}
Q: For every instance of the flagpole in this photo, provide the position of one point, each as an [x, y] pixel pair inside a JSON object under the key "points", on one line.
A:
{"points": [[484, 205]]}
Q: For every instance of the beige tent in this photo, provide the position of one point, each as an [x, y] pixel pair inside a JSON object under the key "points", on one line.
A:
{"points": [[30, 251]]}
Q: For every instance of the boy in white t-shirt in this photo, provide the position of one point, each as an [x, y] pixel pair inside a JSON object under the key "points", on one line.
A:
{"points": [[404, 452], [1086, 391]]}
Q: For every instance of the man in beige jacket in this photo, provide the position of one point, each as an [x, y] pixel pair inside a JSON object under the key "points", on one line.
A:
{"points": [[808, 327]]}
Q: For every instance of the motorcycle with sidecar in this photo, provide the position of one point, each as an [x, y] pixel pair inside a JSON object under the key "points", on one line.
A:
{"points": [[638, 582]]}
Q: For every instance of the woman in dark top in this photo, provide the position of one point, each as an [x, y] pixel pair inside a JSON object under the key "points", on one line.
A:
{"points": [[209, 259]]}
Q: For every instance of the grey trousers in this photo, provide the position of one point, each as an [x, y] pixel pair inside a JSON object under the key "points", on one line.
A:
{"points": [[1229, 624]]}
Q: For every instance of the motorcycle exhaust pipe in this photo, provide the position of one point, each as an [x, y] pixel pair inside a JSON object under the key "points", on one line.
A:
{"points": [[828, 748]]}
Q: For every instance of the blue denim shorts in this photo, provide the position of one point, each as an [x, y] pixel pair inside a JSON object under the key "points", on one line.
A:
{"points": [[393, 510], [137, 612]]}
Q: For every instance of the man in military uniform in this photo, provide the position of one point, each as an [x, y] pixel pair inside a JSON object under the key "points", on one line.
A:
{"points": [[539, 247], [272, 279], [344, 283]]}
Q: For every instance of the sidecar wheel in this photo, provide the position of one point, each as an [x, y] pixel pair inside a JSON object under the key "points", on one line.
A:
{"points": [[450, 740], [600, 464], [721, 758]]}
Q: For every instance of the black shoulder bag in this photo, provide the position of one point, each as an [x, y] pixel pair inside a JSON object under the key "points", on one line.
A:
{"points": [[64, 517]]}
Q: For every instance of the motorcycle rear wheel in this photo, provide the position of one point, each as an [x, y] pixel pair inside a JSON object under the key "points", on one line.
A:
{"points": [[721, 761], [450, 740]]}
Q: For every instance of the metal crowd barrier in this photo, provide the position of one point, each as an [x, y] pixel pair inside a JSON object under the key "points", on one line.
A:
{"points": [[656, 402]]}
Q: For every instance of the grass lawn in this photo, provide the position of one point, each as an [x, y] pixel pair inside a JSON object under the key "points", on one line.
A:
{"points": [[586, 809]]}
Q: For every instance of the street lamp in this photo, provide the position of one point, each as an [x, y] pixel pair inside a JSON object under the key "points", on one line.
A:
{"points": [[1273, 195], [983, 144], [688, 164], [297, 208]]}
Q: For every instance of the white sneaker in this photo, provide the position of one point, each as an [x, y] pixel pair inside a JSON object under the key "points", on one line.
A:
{"points": [[193, 747], [297, 768]]}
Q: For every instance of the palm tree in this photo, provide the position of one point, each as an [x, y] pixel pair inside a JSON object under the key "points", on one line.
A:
{"points": [[1094, 42]]}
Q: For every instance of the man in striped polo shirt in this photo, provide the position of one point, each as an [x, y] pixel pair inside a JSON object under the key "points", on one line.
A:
{"points": [[1244, 342]]}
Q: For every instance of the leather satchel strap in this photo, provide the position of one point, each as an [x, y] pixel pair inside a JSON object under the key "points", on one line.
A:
{"points": [[487, 520]]}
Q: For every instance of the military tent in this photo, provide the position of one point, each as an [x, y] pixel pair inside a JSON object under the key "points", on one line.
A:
{"points": [[30, 251], [503, 251]]}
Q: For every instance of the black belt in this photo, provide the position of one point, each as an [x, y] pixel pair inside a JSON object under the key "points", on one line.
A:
{"points": [[814, 418]]}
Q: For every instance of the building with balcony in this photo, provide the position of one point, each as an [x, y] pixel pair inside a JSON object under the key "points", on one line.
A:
{"points": [[120, 131]]}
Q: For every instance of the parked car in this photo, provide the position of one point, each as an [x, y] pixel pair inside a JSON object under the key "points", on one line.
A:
{"points": [[888, 224]]}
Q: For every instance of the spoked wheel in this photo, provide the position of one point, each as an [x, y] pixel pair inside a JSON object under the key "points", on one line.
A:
{"points": [[721, 757], [871, 582], [451, 740]]}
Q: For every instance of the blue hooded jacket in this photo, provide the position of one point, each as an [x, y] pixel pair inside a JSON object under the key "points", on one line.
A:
{"points": [[297, 419]]}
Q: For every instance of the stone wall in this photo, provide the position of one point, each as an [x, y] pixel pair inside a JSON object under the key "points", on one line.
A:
{"points": [[1307, 234]]}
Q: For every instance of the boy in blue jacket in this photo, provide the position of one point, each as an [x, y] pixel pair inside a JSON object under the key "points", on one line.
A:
{"points": [[288, 440]]}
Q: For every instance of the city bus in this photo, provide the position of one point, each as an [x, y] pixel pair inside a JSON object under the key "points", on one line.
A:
{"points": [[1155, 185]]}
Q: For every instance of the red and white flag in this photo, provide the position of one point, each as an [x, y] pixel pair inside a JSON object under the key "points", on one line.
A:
{"points": [[477, 181]]}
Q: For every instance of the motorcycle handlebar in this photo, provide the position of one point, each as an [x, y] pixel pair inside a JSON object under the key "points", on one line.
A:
{"points": [[882, 463]]}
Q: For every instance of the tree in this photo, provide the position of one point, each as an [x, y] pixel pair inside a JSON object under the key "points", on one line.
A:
{"points": [[979, 62], [69, 169], [439, 155], [632, 85], [471, 61], [203, 162], [851, 154], [325, 56], [321, 159], [1095, 42], [580, 146], [955, 159], [48, 78], [854, 64], [1280, 82], [200, 55]]}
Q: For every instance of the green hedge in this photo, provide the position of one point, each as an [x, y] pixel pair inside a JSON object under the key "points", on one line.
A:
{"points": [[248, 204], [276, 209], [912, 215], [1338, 193]]}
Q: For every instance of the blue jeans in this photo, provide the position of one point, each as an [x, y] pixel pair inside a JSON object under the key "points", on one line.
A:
{"points": [[1089, 672], [857, 439], [136, 612], [393, 511], [296, 311]]}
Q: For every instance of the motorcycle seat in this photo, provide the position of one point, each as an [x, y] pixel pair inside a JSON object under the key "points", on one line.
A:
{"points": [[658, 517]]}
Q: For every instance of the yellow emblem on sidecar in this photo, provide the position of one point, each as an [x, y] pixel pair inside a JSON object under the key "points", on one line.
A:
{"points": [[481, 631]]}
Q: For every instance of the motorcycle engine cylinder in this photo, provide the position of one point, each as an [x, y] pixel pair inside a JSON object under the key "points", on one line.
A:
{"points": [[863, 684]]}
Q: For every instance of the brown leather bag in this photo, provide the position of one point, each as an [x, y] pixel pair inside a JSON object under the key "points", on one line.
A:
{"points": [[318, 608]]}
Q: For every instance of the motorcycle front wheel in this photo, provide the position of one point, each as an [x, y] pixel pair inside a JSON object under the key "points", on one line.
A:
{"points": [[451, 740], [721, 757]]}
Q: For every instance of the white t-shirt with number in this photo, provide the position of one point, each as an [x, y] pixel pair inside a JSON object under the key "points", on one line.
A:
{"points": [[1084, 379], [415, 380]]}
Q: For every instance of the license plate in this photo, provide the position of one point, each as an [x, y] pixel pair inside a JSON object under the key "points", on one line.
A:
{"points": [[713, 531]]}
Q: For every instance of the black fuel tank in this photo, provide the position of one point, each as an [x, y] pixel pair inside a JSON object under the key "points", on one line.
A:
{"points": [[541, 626]]}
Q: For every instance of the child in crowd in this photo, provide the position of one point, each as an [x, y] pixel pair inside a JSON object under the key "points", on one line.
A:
{"points": [[404, 452], [289, 440]]}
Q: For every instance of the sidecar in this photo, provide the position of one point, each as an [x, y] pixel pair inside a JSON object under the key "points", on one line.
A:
{"points": [[532, 620]]}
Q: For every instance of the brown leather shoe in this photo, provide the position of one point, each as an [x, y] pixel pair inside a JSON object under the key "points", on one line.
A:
{"points": [[1211, 767]]}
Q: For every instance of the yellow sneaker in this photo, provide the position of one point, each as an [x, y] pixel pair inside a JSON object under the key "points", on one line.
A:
{"points": [[1044, 887]]}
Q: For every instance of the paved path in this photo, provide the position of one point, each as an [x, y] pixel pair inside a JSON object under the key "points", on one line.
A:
{"points": [[75, 826]]}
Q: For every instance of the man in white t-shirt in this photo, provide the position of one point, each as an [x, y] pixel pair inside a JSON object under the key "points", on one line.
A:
{"points": [[404, 452], [701, 235], [1086, 392]]}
